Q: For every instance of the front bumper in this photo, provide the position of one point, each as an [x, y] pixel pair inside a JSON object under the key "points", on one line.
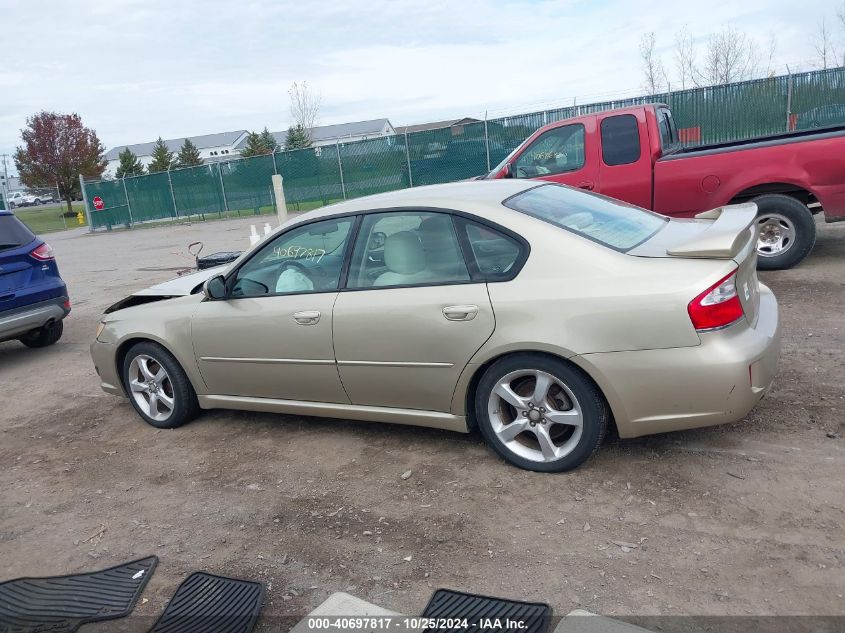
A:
{"points": [[104, 356], [17, 322], [719, 381]]}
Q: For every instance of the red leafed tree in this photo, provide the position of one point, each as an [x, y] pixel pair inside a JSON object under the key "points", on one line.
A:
{"points": [[57, 148]]}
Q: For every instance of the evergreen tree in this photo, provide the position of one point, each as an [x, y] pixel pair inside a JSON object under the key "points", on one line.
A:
{"points": [[254, 146], [162, 157], [297, 138], [189, 155], [129, 164], [269, 141]]}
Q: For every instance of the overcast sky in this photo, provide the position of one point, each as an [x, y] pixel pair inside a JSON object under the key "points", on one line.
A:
{"points": [[135, 70]]}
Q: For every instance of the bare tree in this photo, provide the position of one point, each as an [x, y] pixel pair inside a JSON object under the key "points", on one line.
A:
{"points": [[654, 74], [731, 55], [304, 106], [773, 45], [840, 16], [823, 44], [685, 61]]}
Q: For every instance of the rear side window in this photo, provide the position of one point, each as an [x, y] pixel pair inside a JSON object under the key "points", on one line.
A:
{"points": [[13, 233], [496, 256], [615, 224], [668, 133], [620, 140]]}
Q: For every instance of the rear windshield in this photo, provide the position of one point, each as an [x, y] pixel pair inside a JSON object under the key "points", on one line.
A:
{"points": [[616, 224], [13, 233]]}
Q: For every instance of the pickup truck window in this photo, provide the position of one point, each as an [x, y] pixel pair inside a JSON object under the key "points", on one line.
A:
{"points": [[557, 151], [668, 132], [615, 224], [620, 140]]}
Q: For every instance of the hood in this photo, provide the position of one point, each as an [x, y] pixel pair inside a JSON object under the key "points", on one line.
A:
{"points": [[180, 286]]}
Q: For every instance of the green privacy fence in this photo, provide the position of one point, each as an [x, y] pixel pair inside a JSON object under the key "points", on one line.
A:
{"points": [[321, 175]]}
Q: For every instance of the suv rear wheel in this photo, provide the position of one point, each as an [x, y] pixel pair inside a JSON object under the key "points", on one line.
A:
{"points": [[45, 336]]}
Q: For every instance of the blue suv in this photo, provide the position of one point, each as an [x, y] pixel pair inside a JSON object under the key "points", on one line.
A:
{"points": [[33, 297]]}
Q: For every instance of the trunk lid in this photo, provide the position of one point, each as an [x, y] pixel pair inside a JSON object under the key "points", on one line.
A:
{"points": [[724, 233]]}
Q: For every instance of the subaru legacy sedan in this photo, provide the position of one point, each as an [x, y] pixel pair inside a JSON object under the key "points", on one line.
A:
{"points": [[539, 314]]}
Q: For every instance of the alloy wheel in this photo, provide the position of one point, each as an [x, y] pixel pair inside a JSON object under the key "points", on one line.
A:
{"points": [[535, 415], [776, 234], [151, 387]]}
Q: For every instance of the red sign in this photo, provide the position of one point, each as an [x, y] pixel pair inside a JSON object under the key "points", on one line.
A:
{"points": [[99, 205]]}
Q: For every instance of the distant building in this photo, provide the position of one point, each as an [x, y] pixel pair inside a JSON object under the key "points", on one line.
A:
{"points": [[13, 184], [344, 132], [212, 147], [456, 126]]}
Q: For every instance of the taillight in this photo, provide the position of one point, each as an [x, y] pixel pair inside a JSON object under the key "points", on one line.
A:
{"points": [[716, 307], [43, 253]]}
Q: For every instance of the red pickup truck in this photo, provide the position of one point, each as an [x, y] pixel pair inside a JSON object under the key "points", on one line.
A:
{"points": [[633, 154]]}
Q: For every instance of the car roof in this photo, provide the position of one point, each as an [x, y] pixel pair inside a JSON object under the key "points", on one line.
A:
{"points": [[480, 197]]}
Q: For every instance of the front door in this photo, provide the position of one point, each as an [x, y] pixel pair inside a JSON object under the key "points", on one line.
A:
{"points": [[272, 337], [410, 318]]}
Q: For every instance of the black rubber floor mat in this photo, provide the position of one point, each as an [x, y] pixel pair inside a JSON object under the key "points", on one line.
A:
{"points": [[469, 613], [205, 603], [62, 604]]}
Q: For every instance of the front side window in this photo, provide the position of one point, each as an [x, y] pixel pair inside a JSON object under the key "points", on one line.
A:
{"points": [[406, 249], [305, 259], [620, 140], [554, 152], [618, 225]]}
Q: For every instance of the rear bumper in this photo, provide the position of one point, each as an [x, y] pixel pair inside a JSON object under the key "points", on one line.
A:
{"points": [[19, 321], [719, 381], [103, 355]]}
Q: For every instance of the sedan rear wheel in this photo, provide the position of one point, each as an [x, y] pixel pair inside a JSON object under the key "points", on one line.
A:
{"points": [[540, 413], [158, 387]]}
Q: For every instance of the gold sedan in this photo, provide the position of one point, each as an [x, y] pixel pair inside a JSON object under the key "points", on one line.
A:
{"points": [[538, 313]]}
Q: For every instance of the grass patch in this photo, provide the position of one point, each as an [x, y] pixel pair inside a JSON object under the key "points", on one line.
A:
{"points": [[48, 219]]}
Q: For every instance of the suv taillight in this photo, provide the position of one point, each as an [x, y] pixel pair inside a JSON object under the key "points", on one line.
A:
{"points": [[43, 253], [716, 307]]}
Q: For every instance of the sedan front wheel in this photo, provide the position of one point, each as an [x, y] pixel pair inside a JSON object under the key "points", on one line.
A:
{"points": [[158, 387], [540, 413]]}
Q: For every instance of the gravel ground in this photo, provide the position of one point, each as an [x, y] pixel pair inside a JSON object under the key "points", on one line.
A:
{"points": [[741, 519]]}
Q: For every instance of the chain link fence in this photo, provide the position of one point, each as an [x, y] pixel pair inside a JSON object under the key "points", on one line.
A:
{"points": [[318, 176]]}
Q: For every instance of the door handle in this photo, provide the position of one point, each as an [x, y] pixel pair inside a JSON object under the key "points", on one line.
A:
{"points": [[587, 184], [307, 317], [460, 313]]}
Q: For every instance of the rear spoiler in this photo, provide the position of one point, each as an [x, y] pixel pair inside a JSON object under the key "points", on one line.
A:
{"points": [[725, 237]]}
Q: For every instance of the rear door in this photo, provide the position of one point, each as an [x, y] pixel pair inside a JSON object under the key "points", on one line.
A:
{"points": [[567, 154], [411, 316], [18, 269], [626, 171]]}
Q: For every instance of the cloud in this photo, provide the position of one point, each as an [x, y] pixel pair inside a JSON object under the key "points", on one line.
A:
{"points": [[135, 70]]}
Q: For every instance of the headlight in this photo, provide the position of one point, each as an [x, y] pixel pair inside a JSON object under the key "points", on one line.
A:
{"points": [[100, 327]]}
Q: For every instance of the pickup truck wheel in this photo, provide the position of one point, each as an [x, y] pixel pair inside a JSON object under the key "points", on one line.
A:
{"points": [[786, 231], [45, 336]]}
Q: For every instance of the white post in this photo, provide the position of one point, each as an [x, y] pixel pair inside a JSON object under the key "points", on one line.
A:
{"points": [[788, 97], [85, 204], [128, 206], [340, 167], [279, 192], [222, 188]]}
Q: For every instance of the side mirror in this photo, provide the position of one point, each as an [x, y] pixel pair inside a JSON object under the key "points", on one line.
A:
{"points": [[508, 171], [215, 288]]}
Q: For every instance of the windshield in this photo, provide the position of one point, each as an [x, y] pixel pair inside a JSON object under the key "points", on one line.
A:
{"points": [[13, 233], [615, 224]]}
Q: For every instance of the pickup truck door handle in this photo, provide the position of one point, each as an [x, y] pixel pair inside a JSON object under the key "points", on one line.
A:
{"points": [[587, 184], [307, 317], [460, 313]]}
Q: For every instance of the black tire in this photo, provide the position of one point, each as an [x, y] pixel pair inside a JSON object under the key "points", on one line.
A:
{"points": [[803, 227], [185, 408], [594, 411], [45, 336]]}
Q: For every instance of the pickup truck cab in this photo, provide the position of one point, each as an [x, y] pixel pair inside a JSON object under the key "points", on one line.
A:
{"points": [[633, 154]]}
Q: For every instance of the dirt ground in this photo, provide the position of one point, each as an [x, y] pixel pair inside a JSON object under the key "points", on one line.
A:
{"points": [[741, 519]]}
